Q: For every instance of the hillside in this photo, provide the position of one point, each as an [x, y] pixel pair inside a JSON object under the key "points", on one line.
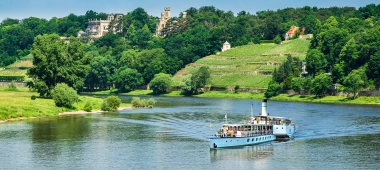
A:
{"points": [[248, 66], [18, 68]]}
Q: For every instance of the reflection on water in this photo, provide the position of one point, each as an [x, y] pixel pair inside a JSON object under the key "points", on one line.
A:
{"points": [[248, 153]]}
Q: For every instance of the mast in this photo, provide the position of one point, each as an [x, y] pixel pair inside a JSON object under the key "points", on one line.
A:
{"points": [[251, 111]]}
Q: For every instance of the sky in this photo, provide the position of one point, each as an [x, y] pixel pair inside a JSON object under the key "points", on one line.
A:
{"points": [[20, 9]]}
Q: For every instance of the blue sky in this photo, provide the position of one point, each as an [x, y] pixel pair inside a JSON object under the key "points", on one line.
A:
{"points": [[20, 9]]}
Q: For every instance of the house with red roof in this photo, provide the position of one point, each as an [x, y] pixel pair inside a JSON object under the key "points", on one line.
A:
{"points": [[291, 32]]}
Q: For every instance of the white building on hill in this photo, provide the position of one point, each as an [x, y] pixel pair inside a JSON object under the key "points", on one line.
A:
{"points": [[226, 46]]}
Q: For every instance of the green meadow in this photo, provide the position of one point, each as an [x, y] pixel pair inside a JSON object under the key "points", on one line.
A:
{"points": [[18, 104]]}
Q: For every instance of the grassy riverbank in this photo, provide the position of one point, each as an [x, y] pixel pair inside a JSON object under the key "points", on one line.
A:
{"points": [[18, 104], [281, 97], [296, 98]]}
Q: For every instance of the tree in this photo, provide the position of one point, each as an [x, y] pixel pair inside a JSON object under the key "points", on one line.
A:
{"points": [[297, 84], [201, 76], [315, 61], [277, 39], [307, 85], [373, 69], [161, 83], [131, 35], [149, 63], [64, 96], [55, 61], [273, 89], [99, 75], [321, 85], [353, 83], [143, 36], [127, 79], [15, 38], [188, 85]]}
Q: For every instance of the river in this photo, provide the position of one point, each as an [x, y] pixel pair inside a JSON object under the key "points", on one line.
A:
{"points": [[173, 135]]}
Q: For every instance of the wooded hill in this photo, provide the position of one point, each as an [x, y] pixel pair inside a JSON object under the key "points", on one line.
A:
{"points": [[345, 40]]}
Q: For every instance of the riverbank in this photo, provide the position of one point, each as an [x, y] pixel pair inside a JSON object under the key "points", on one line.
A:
{"points": [[247, 95], [18, 105]]}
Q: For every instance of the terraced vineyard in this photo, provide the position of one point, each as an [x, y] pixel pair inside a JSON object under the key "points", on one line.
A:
{"points": [[248, 66], [21, 63], [16, 71], [12, 72]]}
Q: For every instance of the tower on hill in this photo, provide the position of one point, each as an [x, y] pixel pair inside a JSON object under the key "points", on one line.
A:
{"points": [[161, 23]]}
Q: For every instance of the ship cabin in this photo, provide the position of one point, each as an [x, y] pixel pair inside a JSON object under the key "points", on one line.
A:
{"points": [[259, 125], [244, 130]]}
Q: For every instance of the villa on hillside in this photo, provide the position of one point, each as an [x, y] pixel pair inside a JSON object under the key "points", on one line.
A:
{"points": [[98, 28], [226, 46], [291, 32]]}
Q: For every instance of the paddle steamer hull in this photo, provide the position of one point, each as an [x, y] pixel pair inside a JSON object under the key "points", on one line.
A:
{"points": [[223, 142]]}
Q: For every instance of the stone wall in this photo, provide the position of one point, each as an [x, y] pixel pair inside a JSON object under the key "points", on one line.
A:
{"points": [[370, 93], [6, 83]]}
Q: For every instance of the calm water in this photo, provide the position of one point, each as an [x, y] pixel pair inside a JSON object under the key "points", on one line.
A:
{"points": [[173, 135]]}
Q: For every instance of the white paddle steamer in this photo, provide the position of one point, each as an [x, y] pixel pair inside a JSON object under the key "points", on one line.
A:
{"points": [[258, 129]]}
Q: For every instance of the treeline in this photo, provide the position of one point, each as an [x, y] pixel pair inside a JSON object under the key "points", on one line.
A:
{"points": [[344, 52], [135, 51]]}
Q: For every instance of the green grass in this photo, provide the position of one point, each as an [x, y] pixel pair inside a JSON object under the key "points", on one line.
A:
{"points": [[18, 104], [290, 47], [328, 99], [226, 94], [30, 56], [248, 50], [104, 92], [139, 92], [21, 63], [243, 80], [13, 72]]}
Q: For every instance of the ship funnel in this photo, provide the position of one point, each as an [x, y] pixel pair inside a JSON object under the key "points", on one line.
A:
{"points": [[264, 108]]}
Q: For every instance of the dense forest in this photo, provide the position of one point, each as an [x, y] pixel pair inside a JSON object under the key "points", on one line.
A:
{"points": [[346, 41]]}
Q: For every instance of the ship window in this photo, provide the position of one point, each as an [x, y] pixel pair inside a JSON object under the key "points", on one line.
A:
{"points": [[247, 140], [252, 139], [256, 139]]}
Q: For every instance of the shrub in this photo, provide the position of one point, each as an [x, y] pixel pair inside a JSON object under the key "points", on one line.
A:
{"points": [[87, 107], [237, 87], [42, 88], [277, 39], [33, 97], [12, 86], [137, 102], [266, 41], [111, 103], [64, 96], [273, 89]]}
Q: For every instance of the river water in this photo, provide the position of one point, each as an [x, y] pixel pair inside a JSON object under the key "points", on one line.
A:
{"points": [[173, 135]]}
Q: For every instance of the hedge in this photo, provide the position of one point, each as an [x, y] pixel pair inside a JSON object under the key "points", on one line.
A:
{"points": [[266, 41], [12, 78]]}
